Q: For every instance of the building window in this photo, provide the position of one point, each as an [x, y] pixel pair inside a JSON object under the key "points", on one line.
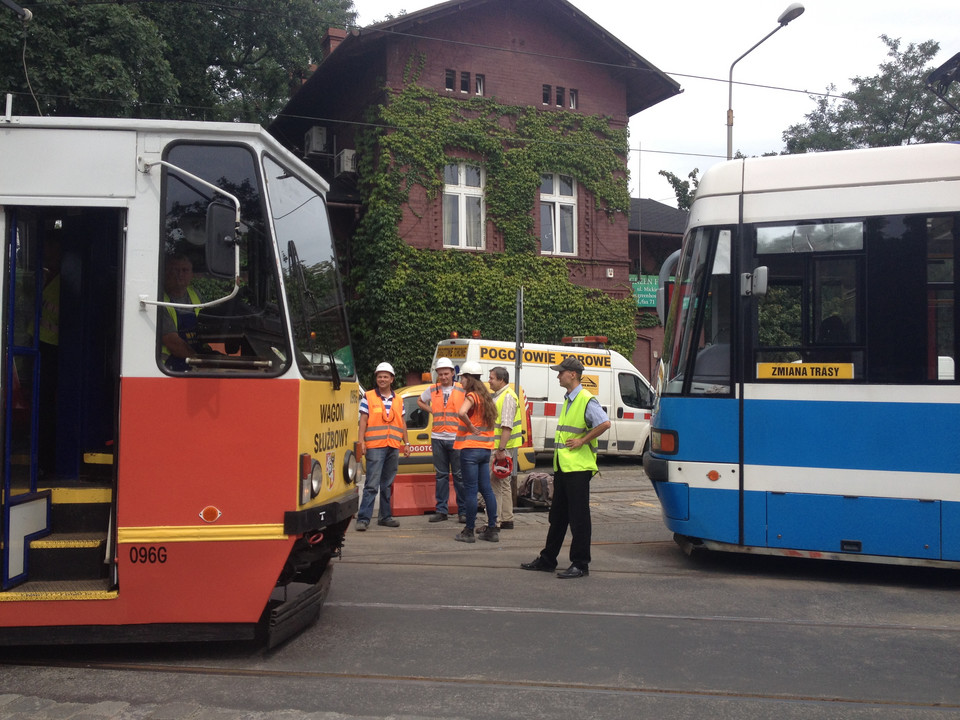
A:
{"points": [[573, 99], [451, 79], [546, 94], [479, 83], [558, 214], [559, 96], [464, 82], [463, 209]]}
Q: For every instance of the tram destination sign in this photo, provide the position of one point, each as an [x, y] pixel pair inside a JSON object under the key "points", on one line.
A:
{"points": [[804, 371]]}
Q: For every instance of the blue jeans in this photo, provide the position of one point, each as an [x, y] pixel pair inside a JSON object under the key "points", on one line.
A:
{"points": [[381, 470], [446, 461], [475, 466]]}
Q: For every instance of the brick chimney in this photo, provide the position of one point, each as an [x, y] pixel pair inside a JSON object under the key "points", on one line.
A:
{"points": [[332, 38]]}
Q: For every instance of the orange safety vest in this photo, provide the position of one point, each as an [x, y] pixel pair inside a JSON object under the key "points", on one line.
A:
{"points": [[383, 430], [484, 440], [445, 418]]}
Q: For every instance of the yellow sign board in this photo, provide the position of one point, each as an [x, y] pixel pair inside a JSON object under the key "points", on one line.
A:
{"points": [[591, 383], [545, 357], [454, 352], [804, 371]]}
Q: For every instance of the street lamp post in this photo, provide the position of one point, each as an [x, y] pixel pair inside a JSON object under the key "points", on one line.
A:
{"points": [[793, 11]]}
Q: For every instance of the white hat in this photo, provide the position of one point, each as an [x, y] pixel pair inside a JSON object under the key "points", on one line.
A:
{"points": [[386, 367], [444, 362], [471, 368]]}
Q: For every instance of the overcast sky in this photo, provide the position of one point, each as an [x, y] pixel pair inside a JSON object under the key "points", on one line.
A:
{"points": [[833, 41]]}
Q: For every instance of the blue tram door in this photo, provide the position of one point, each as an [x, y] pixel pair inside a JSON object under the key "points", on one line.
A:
{"points": [[26, 512], [60, 375]]}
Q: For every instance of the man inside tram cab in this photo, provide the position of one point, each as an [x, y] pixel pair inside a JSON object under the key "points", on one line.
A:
{"points": [[178, 325]]}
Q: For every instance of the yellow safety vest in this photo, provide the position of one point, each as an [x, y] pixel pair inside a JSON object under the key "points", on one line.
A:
{"points": [[516, 433], [572, 424], [194, 299]]}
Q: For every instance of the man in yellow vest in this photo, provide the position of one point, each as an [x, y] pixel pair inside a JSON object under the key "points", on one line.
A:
{"points": [[582, 421], [383, 432], [509, 438], [178, 325]]}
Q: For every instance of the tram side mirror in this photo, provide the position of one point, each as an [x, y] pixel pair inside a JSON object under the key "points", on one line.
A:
{"points": [[221, 239], [754, 284]]}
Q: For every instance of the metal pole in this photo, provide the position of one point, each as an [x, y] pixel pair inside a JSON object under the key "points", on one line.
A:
{"points": [[730, 96]]}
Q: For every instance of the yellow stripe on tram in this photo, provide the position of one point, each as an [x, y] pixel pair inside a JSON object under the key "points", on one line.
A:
{"points": [[197, 533]]}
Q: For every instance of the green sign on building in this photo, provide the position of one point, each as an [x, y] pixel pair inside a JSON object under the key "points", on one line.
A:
{"points": [[645, 289]]}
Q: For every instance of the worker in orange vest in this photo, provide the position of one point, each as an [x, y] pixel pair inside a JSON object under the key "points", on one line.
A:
{"points": [[383, 432], [443, 400]]}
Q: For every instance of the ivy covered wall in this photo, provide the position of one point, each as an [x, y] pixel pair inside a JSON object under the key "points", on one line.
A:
{"points": [[406, 299]]}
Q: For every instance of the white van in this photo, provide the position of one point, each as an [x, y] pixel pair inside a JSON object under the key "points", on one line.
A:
{"points": [[624, 393]]}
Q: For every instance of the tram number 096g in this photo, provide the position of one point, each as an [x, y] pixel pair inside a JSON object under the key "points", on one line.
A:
{"points": [[148, 555]]}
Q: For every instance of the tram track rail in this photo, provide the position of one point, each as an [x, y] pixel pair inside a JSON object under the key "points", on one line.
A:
{"points": [[502, 685]]}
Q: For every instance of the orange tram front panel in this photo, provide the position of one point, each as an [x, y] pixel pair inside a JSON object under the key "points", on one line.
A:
{"points": [[207, 469]]}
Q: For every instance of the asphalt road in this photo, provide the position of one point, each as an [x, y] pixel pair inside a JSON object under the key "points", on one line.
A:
{"points": [[421, 626]]}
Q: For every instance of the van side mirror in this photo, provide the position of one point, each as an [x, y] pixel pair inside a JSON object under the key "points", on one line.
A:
{"points": [[221, 239]]}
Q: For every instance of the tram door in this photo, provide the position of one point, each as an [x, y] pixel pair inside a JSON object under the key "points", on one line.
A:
{"points": [[60, 388]]}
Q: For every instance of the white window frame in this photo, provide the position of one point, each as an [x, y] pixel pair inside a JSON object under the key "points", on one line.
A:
{"points": [[466, 197], [558, 206]]}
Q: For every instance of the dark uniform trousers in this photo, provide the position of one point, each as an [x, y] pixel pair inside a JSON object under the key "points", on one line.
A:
{"points": [[570, 508]]}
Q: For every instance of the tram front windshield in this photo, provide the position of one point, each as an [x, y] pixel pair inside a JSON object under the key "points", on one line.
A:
{"points": [[697, 337]]}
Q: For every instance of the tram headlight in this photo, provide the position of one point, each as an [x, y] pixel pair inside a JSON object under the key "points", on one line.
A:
{"points": [[311, 478], [316, 479], [351, 467]]}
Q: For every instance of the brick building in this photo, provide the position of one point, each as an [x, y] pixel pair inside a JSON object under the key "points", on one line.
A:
{"points": [[540, 53]]}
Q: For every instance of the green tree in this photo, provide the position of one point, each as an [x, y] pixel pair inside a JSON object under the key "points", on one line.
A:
{"points": [[893, 107], [230, 60], [683, 189]]}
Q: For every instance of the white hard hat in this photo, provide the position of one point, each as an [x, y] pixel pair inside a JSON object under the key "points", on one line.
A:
{"points": [[471, 368], [386, 367], [444, 362]]}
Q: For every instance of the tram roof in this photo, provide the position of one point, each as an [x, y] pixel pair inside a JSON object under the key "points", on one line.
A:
{"points": [[842, 168]]}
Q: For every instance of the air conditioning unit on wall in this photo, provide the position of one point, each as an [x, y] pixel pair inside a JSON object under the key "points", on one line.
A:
{"points": [[315, 141], [346, 162]]}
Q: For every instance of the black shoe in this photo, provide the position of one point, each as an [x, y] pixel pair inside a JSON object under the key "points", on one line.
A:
{"points": [[506, 525], [462, 519], [466, 535], [488, 533], [538, 564], [573, 572], [438, 517], [389, 522]]}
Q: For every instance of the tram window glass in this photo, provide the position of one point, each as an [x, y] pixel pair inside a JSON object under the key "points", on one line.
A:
{"points": [[246, 334], [311, 276], [809, 237], [700, 317], [941, 233], [811, 313]]}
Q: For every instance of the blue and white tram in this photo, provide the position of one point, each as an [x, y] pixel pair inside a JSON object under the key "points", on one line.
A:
{"points": [[808, 402]]}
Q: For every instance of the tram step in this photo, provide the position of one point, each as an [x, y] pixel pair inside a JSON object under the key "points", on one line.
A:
{"points": [[61, 590], [68, 556], [80, 509]]}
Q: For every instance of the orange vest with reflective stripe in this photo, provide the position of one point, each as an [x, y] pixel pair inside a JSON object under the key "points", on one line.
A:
{"points": [[484, 440], [383, 431], [445, 418]]}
